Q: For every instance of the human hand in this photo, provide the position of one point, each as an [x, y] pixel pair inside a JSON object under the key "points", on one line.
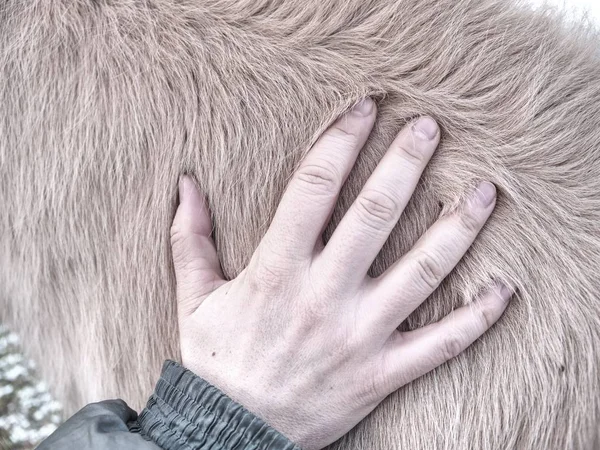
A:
{"points": [[303, 337]]}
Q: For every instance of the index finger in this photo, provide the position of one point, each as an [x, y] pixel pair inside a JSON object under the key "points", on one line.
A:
{"points": [[314, 188]]}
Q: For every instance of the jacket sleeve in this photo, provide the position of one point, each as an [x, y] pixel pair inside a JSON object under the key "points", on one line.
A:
{"points": [[98, 426], [185, 412]]}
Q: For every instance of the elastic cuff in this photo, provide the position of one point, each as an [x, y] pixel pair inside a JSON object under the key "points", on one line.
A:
{"points": [[187, 412]]}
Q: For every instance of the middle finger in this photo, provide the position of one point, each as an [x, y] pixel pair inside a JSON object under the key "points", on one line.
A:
{"points": [[368, 223]]}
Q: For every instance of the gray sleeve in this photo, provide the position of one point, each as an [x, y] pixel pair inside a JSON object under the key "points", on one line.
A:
{"points": [[98, 426], [184, 413]]}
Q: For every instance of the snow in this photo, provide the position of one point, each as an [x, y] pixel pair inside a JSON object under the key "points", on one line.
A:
{"points": [[28, 414]]}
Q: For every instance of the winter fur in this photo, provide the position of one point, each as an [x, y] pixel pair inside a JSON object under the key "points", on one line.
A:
{"points": [[104, 103]]}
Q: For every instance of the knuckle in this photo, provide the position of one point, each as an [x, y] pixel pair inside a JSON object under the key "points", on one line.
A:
{"points": [[318, 302], [429, 270], [176, 234], [299, 329], [179, 247], [376, 209], [381, 382], [312, 313], [486, 315], [310, 317], [342, 135], [451, 346], [375, 389], [469, 221], [265, 279], [320, 179], [371, 387], [411, 153], [265, 276], [380, 377]]}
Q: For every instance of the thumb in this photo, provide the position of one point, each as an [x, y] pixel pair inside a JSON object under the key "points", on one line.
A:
{"points": [[197, 268]]}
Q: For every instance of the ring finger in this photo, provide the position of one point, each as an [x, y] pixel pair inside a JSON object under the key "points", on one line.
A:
{"points": [[408, 282], [366, 226]]}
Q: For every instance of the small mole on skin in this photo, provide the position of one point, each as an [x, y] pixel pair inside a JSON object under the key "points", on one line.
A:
{"points": [[214, 353]]}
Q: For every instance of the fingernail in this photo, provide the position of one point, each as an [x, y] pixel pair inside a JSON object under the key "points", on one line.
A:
{"points": [[364, 107], [486, 193], [426, 128], [506, 293]]}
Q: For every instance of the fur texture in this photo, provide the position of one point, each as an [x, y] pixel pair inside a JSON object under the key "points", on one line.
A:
{"points": [[104, 103]]}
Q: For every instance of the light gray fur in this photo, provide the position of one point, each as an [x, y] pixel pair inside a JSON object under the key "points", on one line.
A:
{"points": [[103, 104]]}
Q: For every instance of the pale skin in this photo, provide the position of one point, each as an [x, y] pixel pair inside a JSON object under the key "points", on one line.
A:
{"points": [[303, 337]]}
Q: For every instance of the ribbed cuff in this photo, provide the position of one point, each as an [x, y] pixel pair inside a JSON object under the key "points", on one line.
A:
{"points": [[187, 412]]}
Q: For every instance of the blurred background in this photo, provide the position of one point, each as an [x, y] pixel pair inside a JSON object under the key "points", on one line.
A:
{"points": [[27, 411]]}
